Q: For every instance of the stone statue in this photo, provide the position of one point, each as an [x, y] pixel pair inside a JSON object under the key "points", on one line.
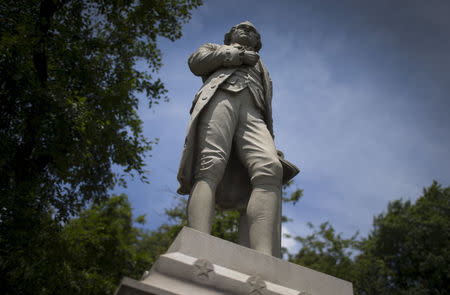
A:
{"points": [[229, 158]]}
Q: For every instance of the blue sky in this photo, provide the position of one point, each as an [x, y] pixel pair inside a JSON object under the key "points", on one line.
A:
{"points": [[361, 103]]}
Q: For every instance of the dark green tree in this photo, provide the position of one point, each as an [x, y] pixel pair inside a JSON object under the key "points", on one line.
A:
{"points": [[327, 252], [102, 246], [68, 113], [408, 250], [406, 253]]}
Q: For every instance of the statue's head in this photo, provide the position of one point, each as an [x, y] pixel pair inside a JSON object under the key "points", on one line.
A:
{"points": [[244, 34]]}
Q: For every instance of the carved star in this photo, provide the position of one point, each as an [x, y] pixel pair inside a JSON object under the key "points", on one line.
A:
{"points": [[203, 268], [257, 285]]}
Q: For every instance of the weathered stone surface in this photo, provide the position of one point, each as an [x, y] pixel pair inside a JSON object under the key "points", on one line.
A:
{"points": [[200, 264]]}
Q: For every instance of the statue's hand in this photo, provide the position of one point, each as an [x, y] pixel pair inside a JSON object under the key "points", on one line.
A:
{"points": [[233, 56], [250, 58]]}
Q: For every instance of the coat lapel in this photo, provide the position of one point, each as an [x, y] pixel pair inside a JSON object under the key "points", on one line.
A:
{"points": [[267, 83]]}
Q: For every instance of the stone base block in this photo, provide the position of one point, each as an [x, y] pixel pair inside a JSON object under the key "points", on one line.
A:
{"points": [[201, 264]]}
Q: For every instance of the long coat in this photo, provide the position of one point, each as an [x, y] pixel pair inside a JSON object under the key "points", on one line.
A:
{"points": [[206, 62]]}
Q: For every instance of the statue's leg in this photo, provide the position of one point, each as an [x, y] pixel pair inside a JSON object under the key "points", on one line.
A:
{"points": [[256, 149], [244, 230], [244, 234], [215, 131], [262, 213], [200, 210]]}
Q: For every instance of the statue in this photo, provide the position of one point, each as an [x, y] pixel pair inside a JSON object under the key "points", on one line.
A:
{"points": [[229, 158]]}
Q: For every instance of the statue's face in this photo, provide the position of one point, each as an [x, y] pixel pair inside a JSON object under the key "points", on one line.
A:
{"points": [[245, 35]]}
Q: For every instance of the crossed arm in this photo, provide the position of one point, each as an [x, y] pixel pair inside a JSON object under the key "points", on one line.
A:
{"points": [[210, 57]]}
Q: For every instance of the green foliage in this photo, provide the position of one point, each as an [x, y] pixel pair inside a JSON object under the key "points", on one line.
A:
{"points": [[294, 197], [68, 114], [102, 246], [406, 253], [326, 251], [35, 260], [88, 255], [408, 250], [226, 225], [158, 241], [68, 89]]}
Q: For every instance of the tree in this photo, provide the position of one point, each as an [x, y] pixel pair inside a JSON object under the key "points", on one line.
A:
{"points": [[406, 253], [327, 252], [102, 246], [68, 89], [68, 111], [408, 250]]}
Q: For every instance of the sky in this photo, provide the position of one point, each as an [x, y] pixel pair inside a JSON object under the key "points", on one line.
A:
{"points": [[361, 104]]}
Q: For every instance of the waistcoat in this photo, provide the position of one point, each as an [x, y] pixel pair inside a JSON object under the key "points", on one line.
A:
{"points": [[247, 76]]}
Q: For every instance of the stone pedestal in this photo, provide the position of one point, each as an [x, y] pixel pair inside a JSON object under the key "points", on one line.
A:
{"points": [[200, 264]]}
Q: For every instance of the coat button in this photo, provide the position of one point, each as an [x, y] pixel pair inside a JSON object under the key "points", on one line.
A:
{"points": [[204, 98], [221, 75], [213, 86]]}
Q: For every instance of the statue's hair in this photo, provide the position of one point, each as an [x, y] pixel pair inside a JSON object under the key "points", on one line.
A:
{"points": [[227, 39]]}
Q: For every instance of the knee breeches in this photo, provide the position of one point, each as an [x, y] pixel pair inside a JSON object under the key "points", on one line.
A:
{"points": [[232, 120]]}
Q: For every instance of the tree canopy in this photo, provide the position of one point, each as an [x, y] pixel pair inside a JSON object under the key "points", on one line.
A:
{"points": [[68, 113], [326, 251], [406, 252], [102, 246], [68, 89]]}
